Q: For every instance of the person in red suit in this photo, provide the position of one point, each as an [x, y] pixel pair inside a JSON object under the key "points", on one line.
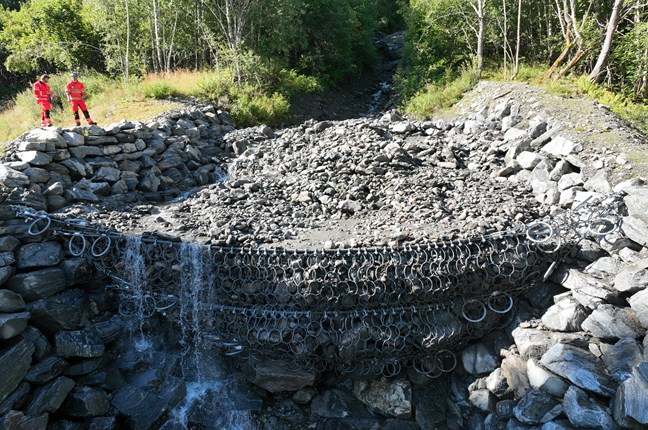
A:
{"points": [[76, 92], [43, 95]]}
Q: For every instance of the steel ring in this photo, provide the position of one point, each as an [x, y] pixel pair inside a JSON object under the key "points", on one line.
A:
{"points": [[41, 231], [71, 244], [474, 320], [96, 242], [536, 225], [441, 362], [497, 294], [602, 222]]}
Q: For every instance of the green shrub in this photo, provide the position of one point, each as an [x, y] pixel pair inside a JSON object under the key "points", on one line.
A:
{"points": [[291, 82], [440, 95], [159, 90], [254, 107]]}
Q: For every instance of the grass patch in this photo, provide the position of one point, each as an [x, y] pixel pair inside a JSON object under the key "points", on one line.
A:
{"points": [[111, 100], [438, 96]]}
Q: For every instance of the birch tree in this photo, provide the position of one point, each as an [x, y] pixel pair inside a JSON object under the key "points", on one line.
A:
{"points": [[596, 74]]}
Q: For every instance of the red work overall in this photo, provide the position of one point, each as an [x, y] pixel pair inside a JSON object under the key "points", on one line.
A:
{"points": [[75, 91], [43, 98]]}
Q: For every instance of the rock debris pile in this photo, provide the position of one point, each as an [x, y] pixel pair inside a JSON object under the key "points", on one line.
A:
{"points": [[572, 355]]}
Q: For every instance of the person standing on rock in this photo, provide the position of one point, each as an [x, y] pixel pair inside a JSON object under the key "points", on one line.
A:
{"points": [[43, 94], [75, 91]]}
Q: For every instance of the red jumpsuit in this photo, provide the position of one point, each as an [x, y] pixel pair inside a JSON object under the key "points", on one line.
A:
{"points": [[75, 91], [43, 95]]}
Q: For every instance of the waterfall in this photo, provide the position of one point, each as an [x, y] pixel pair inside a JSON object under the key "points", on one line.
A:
{"points": [[214, 399], [135, 305]]}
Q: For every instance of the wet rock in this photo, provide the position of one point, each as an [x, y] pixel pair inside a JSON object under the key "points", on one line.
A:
{"points": [[86, 402], [140, 408], [544, 380], [611, 322], [585, 412], [65, 311], [275, 376], [42, 254], [42, 345], [621, 358], [38, 284], [48, 398], [477, 359], [537, 407], [580, 367], [389, 397], [336, 403], [46, 370], [14, 362], [78, 344], [77, 270], [430, 404], [16, 420], [5, 274], [102, 423], [16, 400], [566, 315], [11, 302]]}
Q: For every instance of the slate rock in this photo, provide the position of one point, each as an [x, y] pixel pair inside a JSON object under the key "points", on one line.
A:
{"points": [[561, 147], [141, 408], [580, 367], [78, 344], [544, 380], [335, 403], [101, 423], [612, 322], [622, 357], [477, 359], [275, 376], [8, 244], [17, 420], [636, 201], [86, 402], [639, 304], [73, 139], [10, 301], [14, 362], [46, 370], [17, 399], [48, 398], [388, 397], [631, 399], [515, 371], [631, 279], [12, 325], [533, 343], [42, 345], [10, 178], [5, 274], [68, 310], [41, 254], [566, 315], [35, 158], [38, 284], [537, 407], [636, 230], [483, 399], [585, 412]]}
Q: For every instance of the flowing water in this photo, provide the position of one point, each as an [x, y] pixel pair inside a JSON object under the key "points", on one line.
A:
{"points": [[134, 305]]}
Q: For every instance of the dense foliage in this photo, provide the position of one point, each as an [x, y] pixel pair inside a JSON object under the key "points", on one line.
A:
{"points": [[565, 36]]}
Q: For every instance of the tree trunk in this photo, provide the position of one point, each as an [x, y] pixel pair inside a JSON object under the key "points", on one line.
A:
{"points": [[480, 36], [516, 69], [558, 61], [126, 60], [577, 57], [596, 76], [505, 32]]}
